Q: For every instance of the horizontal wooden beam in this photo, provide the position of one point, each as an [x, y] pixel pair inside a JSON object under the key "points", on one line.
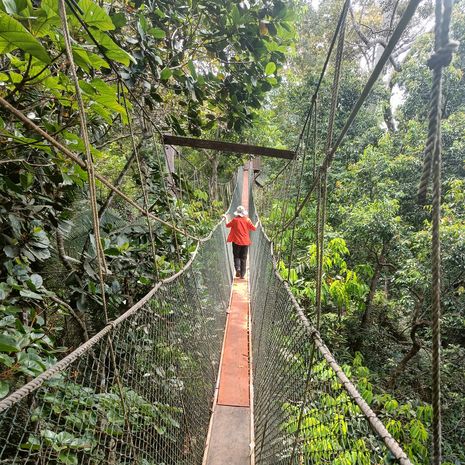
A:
{"points": [[227, 147]]}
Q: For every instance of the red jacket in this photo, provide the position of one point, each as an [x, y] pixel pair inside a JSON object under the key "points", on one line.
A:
{"points": [[240, 227]]}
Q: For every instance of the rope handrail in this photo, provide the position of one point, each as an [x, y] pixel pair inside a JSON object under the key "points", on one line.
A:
{"points": [[34, 384]]}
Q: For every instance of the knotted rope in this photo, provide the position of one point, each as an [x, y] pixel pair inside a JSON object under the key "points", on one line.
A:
{"points": [[442, 56]]}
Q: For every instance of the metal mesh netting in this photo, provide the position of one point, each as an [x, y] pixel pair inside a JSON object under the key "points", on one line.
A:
{"points": [[305, 408], [138, 392]]}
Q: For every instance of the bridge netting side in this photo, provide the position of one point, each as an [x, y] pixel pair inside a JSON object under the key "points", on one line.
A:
{"points": [[306, 411], [138, 392]]}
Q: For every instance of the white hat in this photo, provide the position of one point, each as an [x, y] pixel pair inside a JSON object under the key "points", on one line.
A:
{"points": [[241, 211]]}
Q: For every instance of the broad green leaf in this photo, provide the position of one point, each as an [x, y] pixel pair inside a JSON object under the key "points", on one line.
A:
{"points": [[4, 389], [112, 51], [30, 294], [270, 68], [13, 35], [103, 94], [47, 16], [30, 363], [96, 16], [8, 344], [88, 60], [165, 74], [235, 15], [13, 7], [119, 19], [68, 458], [157, 33]]}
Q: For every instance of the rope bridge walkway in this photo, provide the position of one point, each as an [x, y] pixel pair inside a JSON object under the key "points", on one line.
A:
{"points": [[140, 391]]}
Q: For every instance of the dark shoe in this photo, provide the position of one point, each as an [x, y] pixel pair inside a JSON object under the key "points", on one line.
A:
{"points": [[238, 274]]}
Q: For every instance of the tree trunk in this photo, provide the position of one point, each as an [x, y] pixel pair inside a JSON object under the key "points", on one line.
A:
{"points": [[366, 317], [416, 344]]}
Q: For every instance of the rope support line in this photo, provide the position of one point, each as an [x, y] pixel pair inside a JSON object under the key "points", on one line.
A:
{"points": [[135, 150], [65, 151], [99, 252], [340, 22], [376, 424], [75, 10], [441, 57], [396, 35]]}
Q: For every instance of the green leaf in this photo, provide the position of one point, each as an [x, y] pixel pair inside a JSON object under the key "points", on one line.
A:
{"points": [[88, 60], [30, 294], [112, 51], [96, 16], [68, 458], [270, 68], [235, 15], [30, 364], [13, 7], [192, 70], [119, 19], [14, 35], [157, 33], [47, 16], [4, 389], [8, 344], [165, 74]]}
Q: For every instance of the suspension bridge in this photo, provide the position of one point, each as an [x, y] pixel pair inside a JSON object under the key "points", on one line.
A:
{"points": [[141, 390], [206, 368]]}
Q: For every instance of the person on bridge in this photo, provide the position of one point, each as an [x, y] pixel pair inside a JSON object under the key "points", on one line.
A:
{"points": [[239, 236]]}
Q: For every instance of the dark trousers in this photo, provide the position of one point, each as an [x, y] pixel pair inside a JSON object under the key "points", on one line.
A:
{"points": [[240, 258]]}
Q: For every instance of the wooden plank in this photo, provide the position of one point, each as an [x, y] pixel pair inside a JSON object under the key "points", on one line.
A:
{"points": [[227, 146]]}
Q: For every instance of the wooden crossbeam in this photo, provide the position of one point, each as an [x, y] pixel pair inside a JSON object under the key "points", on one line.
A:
{"points": [[228, 147]]}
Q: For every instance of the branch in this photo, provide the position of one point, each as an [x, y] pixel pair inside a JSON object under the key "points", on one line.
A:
{"points": [[371, 43], [73, 313]]}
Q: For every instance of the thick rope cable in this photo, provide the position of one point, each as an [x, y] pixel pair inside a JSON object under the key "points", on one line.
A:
{"points": [[315, 138], [317, 87], [94, 205], [64, 363], [395, 37], [143, 185], [443, 50], [65, 151], [297, 198], [165, 187], [286, 192], [442, 56], [99, 252], [323, 174], [340, 22]]}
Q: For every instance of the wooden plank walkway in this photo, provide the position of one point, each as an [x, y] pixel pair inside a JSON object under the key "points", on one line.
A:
{"points": [[230, 435]]}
